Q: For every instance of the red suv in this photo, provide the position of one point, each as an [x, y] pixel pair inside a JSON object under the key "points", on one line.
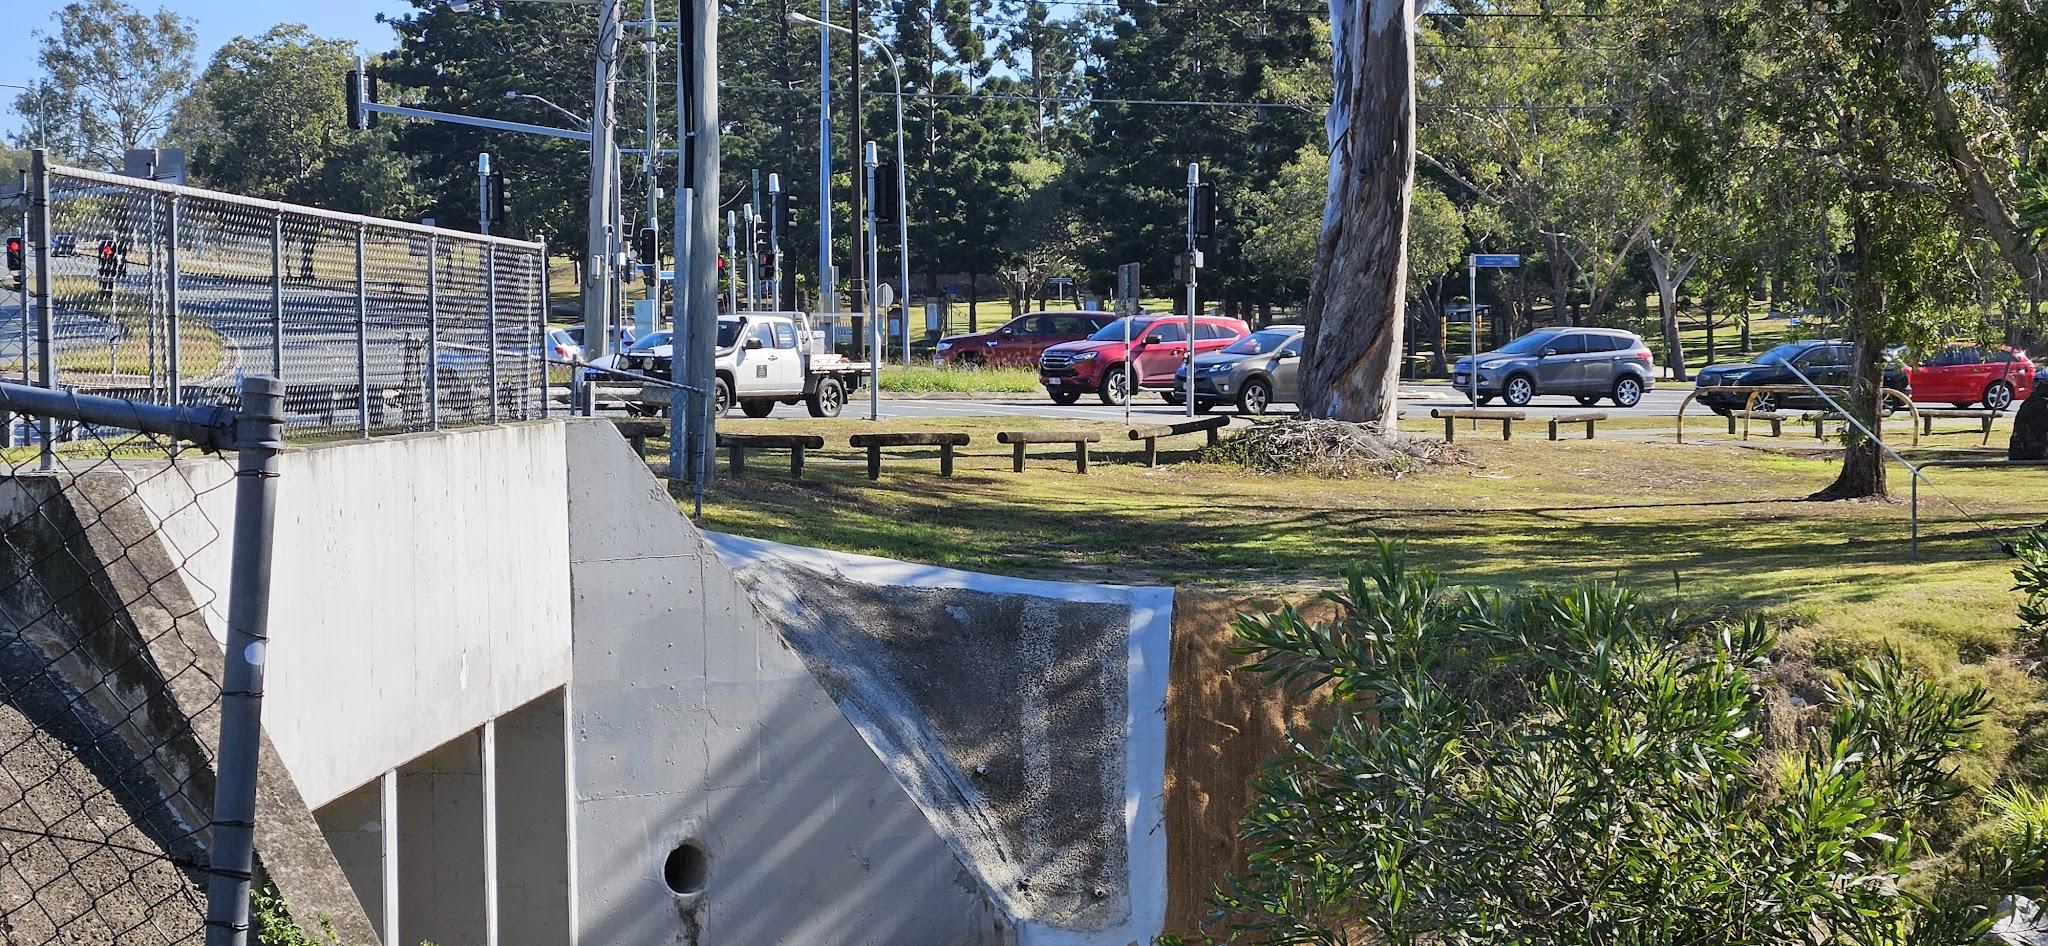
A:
{"points": [[1019, 342], [1159, 344], [1964, 375]]}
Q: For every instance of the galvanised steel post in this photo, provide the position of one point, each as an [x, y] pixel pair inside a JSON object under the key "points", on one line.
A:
{"points": [[491, 317], [46, 371], [434, 332], [171, 308], [541, 340], [362, 335], [259, 435], [277, 294]]}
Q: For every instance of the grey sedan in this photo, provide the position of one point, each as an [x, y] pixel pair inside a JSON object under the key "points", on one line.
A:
{"points": [[1254, 372]]}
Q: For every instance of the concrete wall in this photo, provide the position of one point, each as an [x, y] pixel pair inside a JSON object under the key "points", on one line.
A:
{"points": [[694, 723], [431, 571]]}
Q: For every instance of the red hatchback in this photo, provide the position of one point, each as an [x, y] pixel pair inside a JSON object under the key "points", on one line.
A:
{"points": [[1964, 375], [1020, 341]]}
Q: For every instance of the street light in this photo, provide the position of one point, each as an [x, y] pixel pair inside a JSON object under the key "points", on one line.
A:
{"points": [[902, 190], [42, 112], [580, 121]]}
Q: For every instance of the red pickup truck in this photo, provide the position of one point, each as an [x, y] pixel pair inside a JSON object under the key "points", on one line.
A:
{"points": [[1159, 344]]}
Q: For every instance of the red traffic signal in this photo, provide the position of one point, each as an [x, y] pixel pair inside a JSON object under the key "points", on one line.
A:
{"points": [[106, 250], [14, 253]]}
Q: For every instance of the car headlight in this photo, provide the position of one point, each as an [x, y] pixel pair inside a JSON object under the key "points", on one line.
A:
{"points": [[1218, 369], [1490, 365], [1085, 356], [945, 346]]}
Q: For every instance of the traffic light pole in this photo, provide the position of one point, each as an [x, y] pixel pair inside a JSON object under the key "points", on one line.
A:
{"points": [[648, 157], [752, 221], [598, 254], [775, 205], [483, 192], [875, 325]]}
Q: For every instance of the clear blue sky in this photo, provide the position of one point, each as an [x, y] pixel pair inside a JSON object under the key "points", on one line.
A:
{"points": [[215, 22]]}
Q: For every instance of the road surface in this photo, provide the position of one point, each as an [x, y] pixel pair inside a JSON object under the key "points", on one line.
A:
{"points": [[1660, 402]]}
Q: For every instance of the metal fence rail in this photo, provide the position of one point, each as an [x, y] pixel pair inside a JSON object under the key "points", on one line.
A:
{"points": [[172, 295]]}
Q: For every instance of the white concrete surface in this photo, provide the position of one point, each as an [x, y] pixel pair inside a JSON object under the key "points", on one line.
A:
{"points": [[695, 723], [1149, 647], [430, 570]]}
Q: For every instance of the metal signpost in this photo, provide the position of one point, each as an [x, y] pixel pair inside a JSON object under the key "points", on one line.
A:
{"points": [[1490, 261], [1194, 267], [1127, 306]]}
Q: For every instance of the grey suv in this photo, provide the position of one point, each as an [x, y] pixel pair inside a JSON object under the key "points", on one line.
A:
{"points": [[1254, 371], [1586, 363]]}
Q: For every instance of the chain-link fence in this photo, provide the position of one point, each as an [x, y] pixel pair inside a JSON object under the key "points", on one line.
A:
{"points": [[119, 821], [171, 295]]}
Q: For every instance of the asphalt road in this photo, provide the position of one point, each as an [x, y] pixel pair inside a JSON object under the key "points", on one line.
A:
{"points": [[1416, 401]]}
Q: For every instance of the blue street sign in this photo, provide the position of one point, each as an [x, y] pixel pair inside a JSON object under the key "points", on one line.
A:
{"points": [[1497, 260]]}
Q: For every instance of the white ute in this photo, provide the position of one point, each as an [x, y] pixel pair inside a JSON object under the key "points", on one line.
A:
{"points": [[763, 359]]}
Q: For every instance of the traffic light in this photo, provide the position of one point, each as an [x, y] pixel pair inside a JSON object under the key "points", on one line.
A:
{"points": [[779, 207], [647, 250], [110, 267], [885, 192], [361, 89], [1204, 211], [14, 254], [496, 193]]}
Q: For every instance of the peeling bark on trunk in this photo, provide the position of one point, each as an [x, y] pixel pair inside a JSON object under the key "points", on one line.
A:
{"points": [[1863, 472], [1357, 292]]}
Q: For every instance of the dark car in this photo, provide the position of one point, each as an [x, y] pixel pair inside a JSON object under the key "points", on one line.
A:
{"points": [[1822, 362], [1020, 341], [1585, 363]]}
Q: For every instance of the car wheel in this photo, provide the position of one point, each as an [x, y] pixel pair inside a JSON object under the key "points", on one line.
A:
{"points": [[1998, 396], [1723, 411], [827, 398], [1588, 400], [721, 398], [971, 360], [1766, 403], [1172, 397], [1254, 397], [1959, 405], [757, 408], [1204, 407], [1064, 397], [1485, 399], [1628, 392], [1115, 387], [1519, 391]]}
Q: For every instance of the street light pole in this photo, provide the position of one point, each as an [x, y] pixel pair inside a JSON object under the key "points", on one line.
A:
{"points": [[828, 290], [598, 255], [42, 113], [902, 188], [648, 45]]}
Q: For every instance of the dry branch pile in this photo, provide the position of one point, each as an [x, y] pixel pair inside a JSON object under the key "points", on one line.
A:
{"points": [[1329, 448]]}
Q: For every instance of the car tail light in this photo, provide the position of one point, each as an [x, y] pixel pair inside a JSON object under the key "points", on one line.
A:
{"points": [[1643, 355], [562, 350]]}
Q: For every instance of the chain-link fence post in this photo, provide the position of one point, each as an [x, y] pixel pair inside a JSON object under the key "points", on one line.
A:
{"points": [[541, 343], [173, 311], [277, 294], [362, 332], [433, 332], [259, 435], [491, 318], [46, 368]]}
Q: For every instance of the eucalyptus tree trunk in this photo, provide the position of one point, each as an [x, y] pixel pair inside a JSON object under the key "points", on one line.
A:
{"points": [[1863, 473], [1670, 274], [1357, 292]]}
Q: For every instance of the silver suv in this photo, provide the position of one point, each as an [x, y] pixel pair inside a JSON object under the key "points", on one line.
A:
{"points": [[1586, 363]]}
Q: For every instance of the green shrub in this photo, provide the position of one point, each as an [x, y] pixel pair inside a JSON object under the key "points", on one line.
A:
{"points": [[1577, 766]]}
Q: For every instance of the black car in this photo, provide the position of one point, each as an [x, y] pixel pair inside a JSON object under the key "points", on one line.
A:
{"points": [[1822, 362]]}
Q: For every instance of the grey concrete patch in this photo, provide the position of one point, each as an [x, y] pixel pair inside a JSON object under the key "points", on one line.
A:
{"points": [[1004, 714]]}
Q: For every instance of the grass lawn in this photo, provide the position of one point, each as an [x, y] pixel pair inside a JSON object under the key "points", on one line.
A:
{"points": [[1710, 525], [931, 379]]}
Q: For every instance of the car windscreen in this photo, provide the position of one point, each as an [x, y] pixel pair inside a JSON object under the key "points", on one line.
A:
{"points": [[652, 342], [729, 332], [1114, 331], [1528, 344], [1259, 343], [1781, 354]]}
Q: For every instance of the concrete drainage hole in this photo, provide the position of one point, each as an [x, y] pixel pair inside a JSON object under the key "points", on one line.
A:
{"points": [[687, 869]]}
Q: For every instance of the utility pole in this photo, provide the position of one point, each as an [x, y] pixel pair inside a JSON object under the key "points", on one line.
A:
{"points": [[752, 222], [775, 205], [697, 306], [875, 327], [732, 231], [860, 242], [599, 255], [649, 45], [828, 290], [483, 192]]}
